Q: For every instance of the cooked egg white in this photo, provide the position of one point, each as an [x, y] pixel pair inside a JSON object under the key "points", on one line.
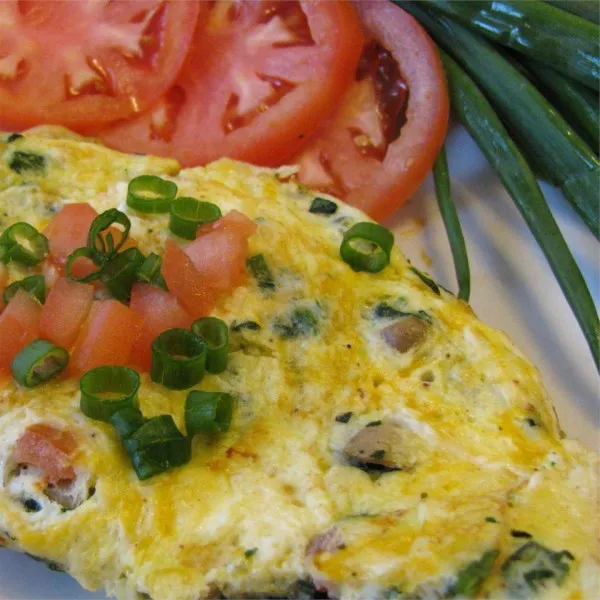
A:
{"points": [[469, 467]]}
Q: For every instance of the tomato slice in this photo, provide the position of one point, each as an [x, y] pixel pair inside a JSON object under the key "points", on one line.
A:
{"points": [[357, 154], [259, 79], [106, 338], [85, 63], [19, 326], [64, 312], [49, 449], [185, 282], [160, 311]]}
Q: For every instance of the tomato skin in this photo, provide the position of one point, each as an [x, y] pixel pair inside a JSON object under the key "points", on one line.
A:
{"points": [[106, 338], [159, 310], [185, 282], [64, 312], [379, 187], [19, 326], [242, 60], [49, 449], [3, 282]]}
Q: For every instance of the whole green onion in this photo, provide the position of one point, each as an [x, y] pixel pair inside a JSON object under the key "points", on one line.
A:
{"points": [[38, 362], [208, 412], [216, 334], [187, 214], [150, 194], [178, 359], [107, 390], [367, 247], [119, 273], [23, 244], [103, 245], [34, 284]]}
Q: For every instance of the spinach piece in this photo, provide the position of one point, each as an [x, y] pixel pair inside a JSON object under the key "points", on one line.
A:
{"points": [[250, 325], [31, 505], [344, 417], [250, 552], [27, 161], [470, 578], [13, 137], [384, 311], [322, 206], [301, 323], [517, 533], [430, 283], [257, 265], [532, 566]]}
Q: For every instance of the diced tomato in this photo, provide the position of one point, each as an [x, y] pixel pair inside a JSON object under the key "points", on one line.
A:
{"points": [[160, 311], [50, 272], [48, 449], [106, 338], [185, 282], [67, 307], [233, 221], [19, 326], [3, 282]]}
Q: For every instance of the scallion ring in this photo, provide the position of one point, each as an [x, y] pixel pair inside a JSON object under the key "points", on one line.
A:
{"points": [[188, 213], [127, 421], [208, 412], [76, 255], [34, 284], [108, 390], [178, 359], [367, 247], [119, 273], [216, 334], [38, 362], [101, 240], [150, 271], [24, 244], [150, 194]]}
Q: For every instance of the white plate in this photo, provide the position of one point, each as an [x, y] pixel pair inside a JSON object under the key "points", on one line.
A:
{"points": [[512, 289]]}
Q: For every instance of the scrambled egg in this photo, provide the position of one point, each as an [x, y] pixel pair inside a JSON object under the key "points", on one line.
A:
{"points": [[351, 467]]}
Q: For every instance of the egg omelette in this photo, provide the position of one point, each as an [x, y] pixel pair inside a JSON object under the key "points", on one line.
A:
{"points": [[390, 445]]}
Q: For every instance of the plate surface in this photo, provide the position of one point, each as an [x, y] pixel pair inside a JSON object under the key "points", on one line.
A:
{"points": [[512, 287]]}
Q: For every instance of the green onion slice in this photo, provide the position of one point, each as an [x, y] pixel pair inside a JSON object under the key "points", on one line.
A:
{"points": [[34, 284], [216, 334], [73, 257], [150, 271], [178, 359], [208, 412], [24, 244], [157, 446], [38, 362], [257, 265], [108, 390], [127, 421], [188, 213], [150, 194], [367, 247], [102, 244], [119, 273]]}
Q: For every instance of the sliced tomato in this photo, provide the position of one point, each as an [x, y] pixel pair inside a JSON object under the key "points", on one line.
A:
{"points": [[159, 310], [64, 312], [357, 154], [106, 338], [19, 326], [259, 79], [84, 63], [185, 282], [48, 449]]}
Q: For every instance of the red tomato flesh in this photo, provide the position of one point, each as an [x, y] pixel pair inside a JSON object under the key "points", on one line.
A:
{"points": [[358, 154], [259, 79], [64, 312], [106, 338], [48, 449], [160, 311], [86, 63]]}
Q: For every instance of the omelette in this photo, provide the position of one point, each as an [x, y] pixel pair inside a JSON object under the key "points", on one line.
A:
{"points": [[384, 443]]}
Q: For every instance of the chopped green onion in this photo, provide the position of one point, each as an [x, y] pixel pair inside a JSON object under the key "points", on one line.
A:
{"points": [[216, 334], [102, 245], [208, 412], [157, 446], [127, 421], [178, 359], [108, 390], [24, 244], [34, 284], [150, 194], [367, 247], [188, 213], [150, 271], [27, 161], [73, 257], [250, 325], [322, 206], [257, 265], [119, 273], [38, 362]]}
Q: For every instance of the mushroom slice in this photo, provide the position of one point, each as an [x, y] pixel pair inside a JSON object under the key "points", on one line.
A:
{"points": [[405, 333]]}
